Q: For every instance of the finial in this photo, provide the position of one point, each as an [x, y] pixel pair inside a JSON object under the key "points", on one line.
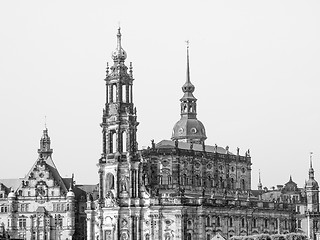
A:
{"points": [[290, 179], [188, 71], [130, 69], [311, 153], [259, 177], [45, 122], [107, 69], [119, 39]]}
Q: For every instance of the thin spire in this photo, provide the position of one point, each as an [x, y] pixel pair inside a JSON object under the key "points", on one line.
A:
{"points": [[259, 184], [188, 69], [119, 39], [45, 122], [259, 176], [311, 171]]}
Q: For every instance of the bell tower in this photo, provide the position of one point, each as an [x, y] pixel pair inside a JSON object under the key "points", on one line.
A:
{"points": [[119, 126], [312, 191]]}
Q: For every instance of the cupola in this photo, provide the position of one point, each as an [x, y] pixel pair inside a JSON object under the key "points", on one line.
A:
{"points": [[189, 128]]}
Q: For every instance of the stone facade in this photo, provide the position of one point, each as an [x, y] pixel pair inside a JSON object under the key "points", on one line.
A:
{"points": [[180, 188], [39, 206], [175, 189]]}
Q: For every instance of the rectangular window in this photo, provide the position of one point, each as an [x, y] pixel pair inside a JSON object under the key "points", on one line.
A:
{"points": [[58, 207], [299, 223], [22, 223], [298, 209]]}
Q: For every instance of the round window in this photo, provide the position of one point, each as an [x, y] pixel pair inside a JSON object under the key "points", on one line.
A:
{"points": [[193, 130]]}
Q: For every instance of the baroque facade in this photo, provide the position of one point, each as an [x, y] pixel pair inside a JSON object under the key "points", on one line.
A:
{"points": [[180, 188], [176, 189]]}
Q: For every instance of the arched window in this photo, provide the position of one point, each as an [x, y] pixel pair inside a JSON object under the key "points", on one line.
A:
{"points": [[147, 236], [189, 236], [185, 108], [232, 183], [254, 223], [218, 222], [209, 182], [285, 224], [113, 142], [230, 222], [124, 93], [114, 92], [243, 222], [221, 182], [109, 181], [243, 184], [184, 179], [198, 181], [266, 223], [124, 141], [208, 221]]}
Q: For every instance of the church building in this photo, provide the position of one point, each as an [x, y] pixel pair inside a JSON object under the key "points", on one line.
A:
{"points": [[176, 189]]}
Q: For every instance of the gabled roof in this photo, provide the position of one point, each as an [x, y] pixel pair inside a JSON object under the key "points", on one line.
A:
{"points": [[12, 183], [51, 168], [186, 145]]}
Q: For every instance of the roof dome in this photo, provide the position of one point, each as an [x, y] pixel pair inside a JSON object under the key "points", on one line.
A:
{"points": [[311, 183], [190, 129], [70, 193], [119, 54], [290, 186], [12, 194]]}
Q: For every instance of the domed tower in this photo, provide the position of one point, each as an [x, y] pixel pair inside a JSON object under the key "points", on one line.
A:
{"points": [[189, 128], [119, 163], [312, 191]]}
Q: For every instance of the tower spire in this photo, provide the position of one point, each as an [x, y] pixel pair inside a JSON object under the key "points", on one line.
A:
{"points": [[189, 128], [259, 184], [311, 171], [188, 68]]}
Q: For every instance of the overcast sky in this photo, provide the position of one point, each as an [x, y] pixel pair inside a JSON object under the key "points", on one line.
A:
{"points": [[255, 66]]}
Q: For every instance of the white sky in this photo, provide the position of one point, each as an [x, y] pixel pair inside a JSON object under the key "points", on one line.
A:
{"points": [[255, 65]]}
